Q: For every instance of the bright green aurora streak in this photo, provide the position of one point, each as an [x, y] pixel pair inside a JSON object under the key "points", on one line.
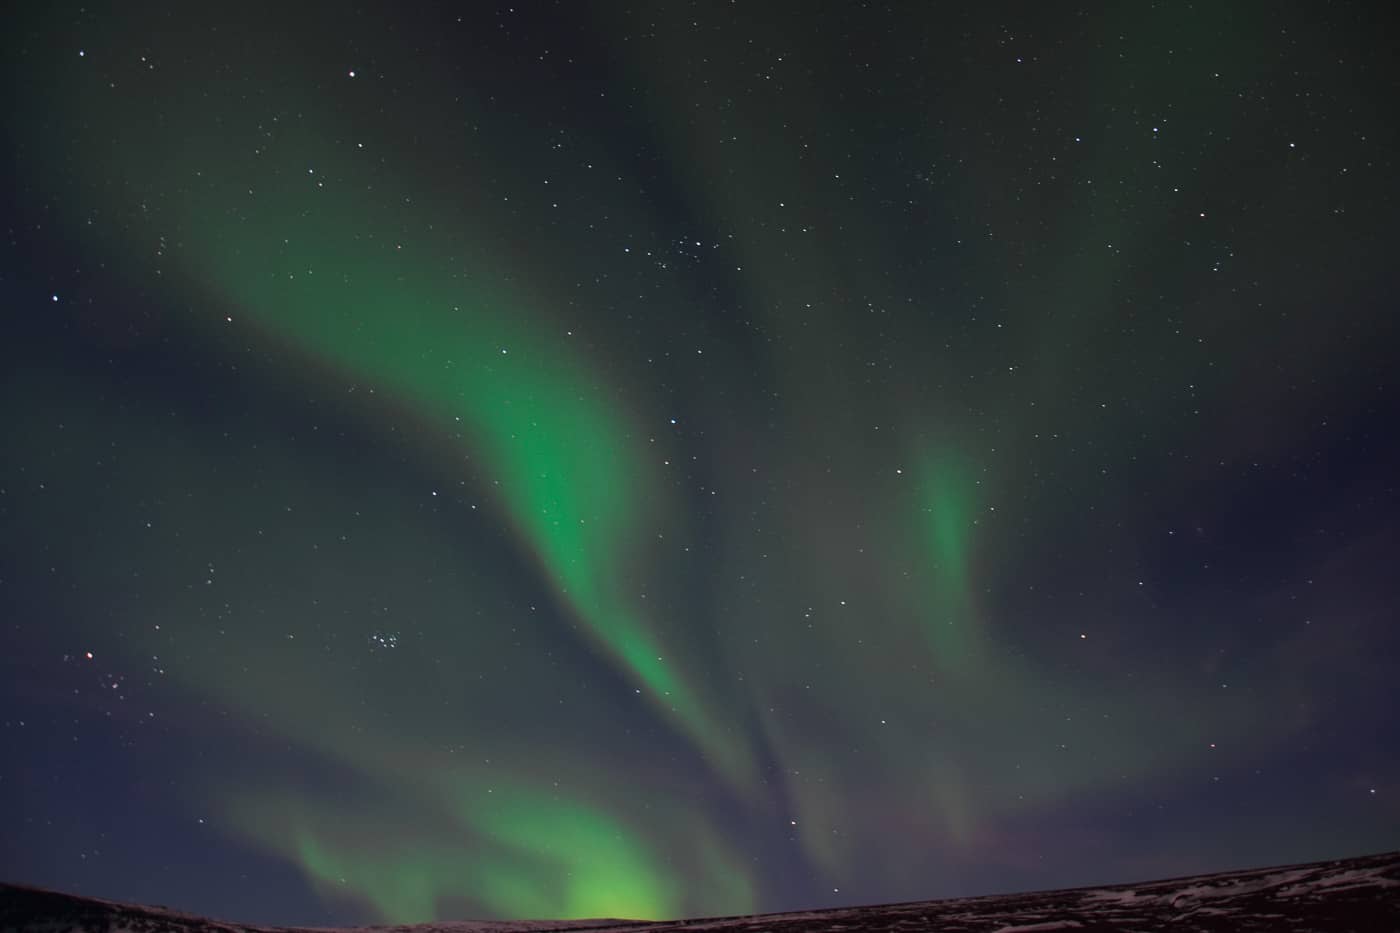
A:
{"points": [[837, 677]]}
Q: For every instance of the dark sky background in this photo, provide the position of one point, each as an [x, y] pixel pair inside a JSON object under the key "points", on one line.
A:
{"points": [[693, 458]]}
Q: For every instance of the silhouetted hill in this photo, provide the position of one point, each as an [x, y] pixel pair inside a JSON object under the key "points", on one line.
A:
{"points": [[1358, 894]]}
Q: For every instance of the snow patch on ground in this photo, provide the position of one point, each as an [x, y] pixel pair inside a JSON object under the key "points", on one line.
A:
{"points": [[1352, 894]]}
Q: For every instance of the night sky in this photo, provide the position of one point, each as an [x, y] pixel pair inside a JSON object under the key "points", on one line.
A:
{"points": [[663, 459]]}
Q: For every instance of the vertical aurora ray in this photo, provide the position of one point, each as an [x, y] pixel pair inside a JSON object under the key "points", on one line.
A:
{"points": [[946, 507]]}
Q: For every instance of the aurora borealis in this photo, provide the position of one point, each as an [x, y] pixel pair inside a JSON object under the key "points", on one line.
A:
{"points": [[658, 460]]}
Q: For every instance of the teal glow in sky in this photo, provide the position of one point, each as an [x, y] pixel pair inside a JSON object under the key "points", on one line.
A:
{"points": [[674, 463]]}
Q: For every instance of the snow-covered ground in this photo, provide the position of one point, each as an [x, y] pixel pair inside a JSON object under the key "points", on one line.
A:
{"points": [[1359, 894]]}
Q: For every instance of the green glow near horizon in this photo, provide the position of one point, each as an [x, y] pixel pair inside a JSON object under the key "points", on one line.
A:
{"points": [[574, 478], [571, 477], [822, 668], [531, 856]]}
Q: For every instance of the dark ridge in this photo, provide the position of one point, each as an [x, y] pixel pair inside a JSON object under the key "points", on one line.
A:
{"points": [[1359, 894]]}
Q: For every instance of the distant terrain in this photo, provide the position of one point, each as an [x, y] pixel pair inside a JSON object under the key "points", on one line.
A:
{"points": [[1358, 894]]}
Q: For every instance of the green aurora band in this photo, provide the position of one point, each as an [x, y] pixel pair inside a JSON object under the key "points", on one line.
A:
{"points": [[291, 235]]}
